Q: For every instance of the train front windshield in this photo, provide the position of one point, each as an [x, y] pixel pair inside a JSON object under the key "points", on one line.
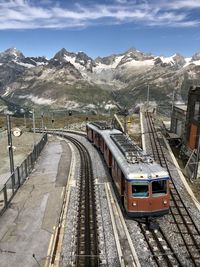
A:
{"points": [[140, 189], [159, 187]]}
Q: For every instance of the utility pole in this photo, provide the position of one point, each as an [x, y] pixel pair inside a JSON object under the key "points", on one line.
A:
{"points": [[10, 147]]}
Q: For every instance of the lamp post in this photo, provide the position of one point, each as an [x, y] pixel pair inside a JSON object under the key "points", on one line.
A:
{"points": [[10, 147], [42, 121]]}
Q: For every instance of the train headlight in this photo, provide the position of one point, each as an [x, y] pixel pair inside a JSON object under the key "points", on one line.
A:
{"points": [[165, 202], [134, 204]]}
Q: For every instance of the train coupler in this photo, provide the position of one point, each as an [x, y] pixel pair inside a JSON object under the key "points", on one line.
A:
{"points": [[152, 223]]}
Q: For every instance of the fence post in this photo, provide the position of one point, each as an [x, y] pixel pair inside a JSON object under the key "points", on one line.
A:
{"points": [[29, 163], [13, 182], [5, 196], [26, 170], [18, 176]]}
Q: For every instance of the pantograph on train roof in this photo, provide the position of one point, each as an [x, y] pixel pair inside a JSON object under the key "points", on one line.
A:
{"points": [[132, 152], [102, 125]]}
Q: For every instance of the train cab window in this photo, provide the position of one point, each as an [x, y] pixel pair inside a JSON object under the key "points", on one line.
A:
{"points": [[140, 189], [159, 187]]}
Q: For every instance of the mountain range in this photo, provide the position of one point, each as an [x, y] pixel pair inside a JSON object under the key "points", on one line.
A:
{"points": [[75, 81]]}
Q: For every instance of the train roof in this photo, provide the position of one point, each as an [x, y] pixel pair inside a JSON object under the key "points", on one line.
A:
{"points": [[133, 162]]}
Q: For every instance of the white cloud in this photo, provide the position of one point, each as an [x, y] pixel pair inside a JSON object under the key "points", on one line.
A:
{"points": [[187, 4], [22, 14]]}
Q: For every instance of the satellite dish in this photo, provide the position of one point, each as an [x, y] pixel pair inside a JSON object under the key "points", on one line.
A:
{"points": [[17, 132]]}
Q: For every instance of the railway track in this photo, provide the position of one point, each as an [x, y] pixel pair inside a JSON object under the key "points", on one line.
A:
{"points": [[162, 251], [126, 252], [87, 237], [180, 216], [87, 251]]}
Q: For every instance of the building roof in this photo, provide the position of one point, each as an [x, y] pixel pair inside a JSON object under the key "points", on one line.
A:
{"points": [[181, 106]]}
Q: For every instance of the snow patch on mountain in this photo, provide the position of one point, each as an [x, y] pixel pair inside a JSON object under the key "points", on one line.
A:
{"points": [[26, 65], [90, 106], [168, 60], [38, 100], [137, 64], [6, 92], [72, 60], [100, 66], [197, 62], [109, 106], [71, 104]]}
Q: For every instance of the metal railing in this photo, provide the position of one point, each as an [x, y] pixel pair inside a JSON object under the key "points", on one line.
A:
{"points": [[19, 175]]}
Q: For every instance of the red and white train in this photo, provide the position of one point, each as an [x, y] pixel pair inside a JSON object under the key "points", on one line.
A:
{"points": [[141, 182]]}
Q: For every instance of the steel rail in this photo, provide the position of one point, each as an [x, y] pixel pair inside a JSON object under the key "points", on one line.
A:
{"points": [[154, 138], [126, 251], [162, 256], [87, 250], [87, 238]]}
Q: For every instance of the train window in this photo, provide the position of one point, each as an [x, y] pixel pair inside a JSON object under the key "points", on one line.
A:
{"points": [[159, 187], [140, 189]]}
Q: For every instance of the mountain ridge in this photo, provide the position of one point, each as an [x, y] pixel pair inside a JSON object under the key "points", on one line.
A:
{"points": [[76, 81]]}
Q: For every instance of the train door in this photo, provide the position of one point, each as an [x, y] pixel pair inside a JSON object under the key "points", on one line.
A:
{"points": [[122, 186], [87, 130], [102, 145], [90, 135], [100, 141], [125, 194], [109, 158], [96, 139]]}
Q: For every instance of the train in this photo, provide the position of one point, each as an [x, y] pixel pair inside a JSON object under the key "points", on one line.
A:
{"points": [[142, 184]]}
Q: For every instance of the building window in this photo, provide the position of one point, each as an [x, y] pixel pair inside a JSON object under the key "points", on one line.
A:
{"points": [[196, 110]]}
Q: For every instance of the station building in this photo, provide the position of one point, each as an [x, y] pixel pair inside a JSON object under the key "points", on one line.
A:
{"points": [[193, 118], [178, 120], [190, 132]]}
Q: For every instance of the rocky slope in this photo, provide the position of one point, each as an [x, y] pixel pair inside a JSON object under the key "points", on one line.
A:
{"points": [[76, 81]]}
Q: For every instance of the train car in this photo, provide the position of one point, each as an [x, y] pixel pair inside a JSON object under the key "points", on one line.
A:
{"points": [[141, 182]]}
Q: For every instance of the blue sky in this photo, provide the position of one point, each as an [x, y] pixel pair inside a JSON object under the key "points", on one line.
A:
{"points": [[100, 28]]}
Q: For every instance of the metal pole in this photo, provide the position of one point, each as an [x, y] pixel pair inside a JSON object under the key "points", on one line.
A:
{"points": [[52, 122], [42, 118], [10, 148], [25, 120], [196, 166], [125, 128], [148, 96], [33, 126], [173, 98], [33, 121], [36, 260]]}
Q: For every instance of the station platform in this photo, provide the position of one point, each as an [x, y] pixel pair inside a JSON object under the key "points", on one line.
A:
{"points": [[27, 225]]}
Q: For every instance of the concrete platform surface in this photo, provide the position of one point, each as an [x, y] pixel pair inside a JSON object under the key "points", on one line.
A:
{"points": [[26, 227]]}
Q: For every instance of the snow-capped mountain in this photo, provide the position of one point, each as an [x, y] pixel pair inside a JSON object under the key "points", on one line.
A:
{"points": [[75, 80]]}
